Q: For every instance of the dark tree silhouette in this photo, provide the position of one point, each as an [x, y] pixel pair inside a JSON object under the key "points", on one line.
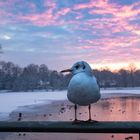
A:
{"points": [[35, 77], [1, 49], [132, 69]]}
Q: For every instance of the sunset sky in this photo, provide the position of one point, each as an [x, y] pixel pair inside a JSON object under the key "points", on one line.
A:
{"points": [[105, 33]]}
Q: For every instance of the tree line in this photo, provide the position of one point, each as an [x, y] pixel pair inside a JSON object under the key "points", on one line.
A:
{"points": [[40, 77]]}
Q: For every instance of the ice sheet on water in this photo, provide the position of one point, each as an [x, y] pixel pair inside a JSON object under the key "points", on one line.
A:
{"points": [[121, 91], [11, 101]]}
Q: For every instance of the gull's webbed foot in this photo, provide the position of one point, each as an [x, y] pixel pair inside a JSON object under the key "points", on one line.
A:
{"points": [[91, 121], [77, 121]]}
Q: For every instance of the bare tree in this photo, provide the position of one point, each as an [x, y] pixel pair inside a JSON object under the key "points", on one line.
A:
{"points": [[1, 49], [132, 69], [43, 76], [31, 77], [123, 77]]}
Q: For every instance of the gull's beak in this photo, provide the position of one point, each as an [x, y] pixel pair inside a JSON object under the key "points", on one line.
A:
{"points": [[67, 70]]}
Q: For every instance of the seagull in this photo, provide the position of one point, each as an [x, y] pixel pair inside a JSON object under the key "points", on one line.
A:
{"points": [[83, 88]]}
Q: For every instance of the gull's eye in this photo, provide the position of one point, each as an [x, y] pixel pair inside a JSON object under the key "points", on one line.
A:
{"points": [[77, 67], [84, 67]]}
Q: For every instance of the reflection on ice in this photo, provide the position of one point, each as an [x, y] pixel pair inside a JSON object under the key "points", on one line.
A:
{"points": [[118, 109]]}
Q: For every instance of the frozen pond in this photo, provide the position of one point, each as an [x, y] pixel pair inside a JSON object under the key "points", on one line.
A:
{"points": [[11, 101], [115, 105]]}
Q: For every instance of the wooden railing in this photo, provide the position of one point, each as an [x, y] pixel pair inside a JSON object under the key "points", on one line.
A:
{"points": [[70, 127]]}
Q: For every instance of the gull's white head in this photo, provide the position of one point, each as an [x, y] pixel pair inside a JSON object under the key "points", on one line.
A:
{"points": [[78, 67]]}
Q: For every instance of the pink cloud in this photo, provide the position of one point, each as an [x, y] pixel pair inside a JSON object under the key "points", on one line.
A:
{"points": [[48, 17], [63, 11], [51, 4], [121, 15], [79, 16], [109, 47], [129, 11], [91, 4], [85, 47], [7, 7], [4, 3], [42, 19], [116, 55], [107, 26], [104, 7]]}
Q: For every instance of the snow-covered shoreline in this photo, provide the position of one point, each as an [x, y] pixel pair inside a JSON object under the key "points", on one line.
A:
{"points": [[102, 89]]}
